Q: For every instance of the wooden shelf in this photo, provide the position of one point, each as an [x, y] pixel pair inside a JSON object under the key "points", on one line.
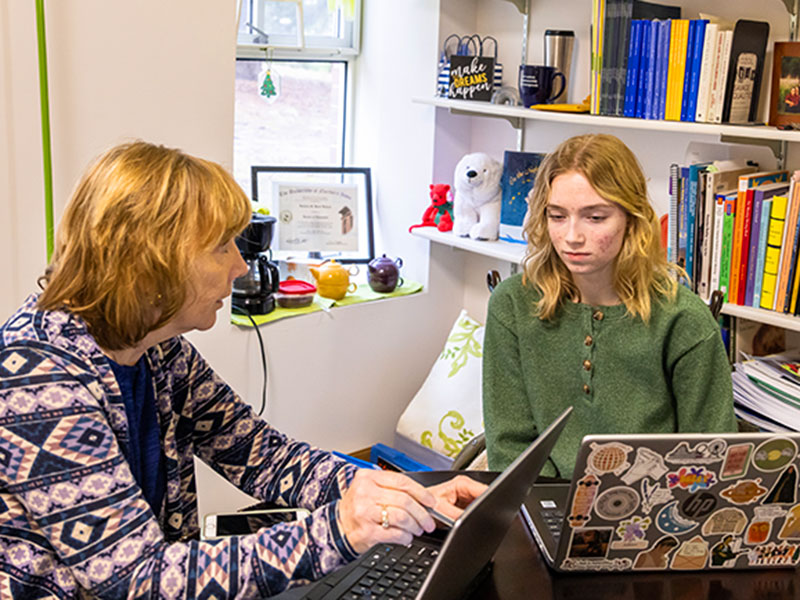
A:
{"points": [[518, 113], [770, 317], [507, 251]]}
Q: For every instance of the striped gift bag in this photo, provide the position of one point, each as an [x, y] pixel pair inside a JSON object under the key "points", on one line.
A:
{"points": [[471, 45]]}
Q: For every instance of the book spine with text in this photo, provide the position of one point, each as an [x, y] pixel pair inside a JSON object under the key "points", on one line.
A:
{"points": [[772, 255], [766, 208]]}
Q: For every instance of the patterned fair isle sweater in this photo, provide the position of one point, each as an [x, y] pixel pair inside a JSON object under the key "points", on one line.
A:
{"points": [[72, 518]]}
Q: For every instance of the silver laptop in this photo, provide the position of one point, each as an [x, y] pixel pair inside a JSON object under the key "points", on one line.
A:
{"points": [[432, 569], [674, 502]]}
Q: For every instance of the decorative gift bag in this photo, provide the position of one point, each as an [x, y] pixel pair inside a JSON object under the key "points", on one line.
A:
{"points": [[498, 68], [451, 46]]}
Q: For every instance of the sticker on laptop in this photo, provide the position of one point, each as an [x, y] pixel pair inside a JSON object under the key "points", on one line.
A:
{"points": [[774, 454], [791, 524], [657, 557], [698, 505], [725, 552], [670, 521], [653, 495], [616, 503], [745, 491], [737, 459], [691, 478], [773, 554], [647, 464], [785, 489], [692, 554], [585, 493], [725, 521], [590, 542], [702, 454], [608, 458], [632, 534], [760, 526]]}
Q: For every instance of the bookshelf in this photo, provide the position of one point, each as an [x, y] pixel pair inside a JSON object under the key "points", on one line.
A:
{"points": [[759, 315], [518, 115]]}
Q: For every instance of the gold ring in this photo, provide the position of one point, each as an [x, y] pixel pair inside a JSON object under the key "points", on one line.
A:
{"points": [[384, 517]]}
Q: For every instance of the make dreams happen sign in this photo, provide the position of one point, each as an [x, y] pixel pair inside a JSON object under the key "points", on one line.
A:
{"points": [[471, 78]]}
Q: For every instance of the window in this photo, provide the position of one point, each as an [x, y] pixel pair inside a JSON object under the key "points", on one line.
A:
{"points": [[296, 117]]}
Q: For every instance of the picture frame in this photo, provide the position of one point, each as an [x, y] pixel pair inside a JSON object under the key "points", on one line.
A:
{"points": [[322, 212], [784, 106]]}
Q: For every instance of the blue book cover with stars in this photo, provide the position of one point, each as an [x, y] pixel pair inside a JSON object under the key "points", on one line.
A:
{"points": [[519, 174]]}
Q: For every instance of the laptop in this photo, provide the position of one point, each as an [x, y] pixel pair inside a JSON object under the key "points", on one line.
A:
{"points": [[672, 502], [448, 565]]}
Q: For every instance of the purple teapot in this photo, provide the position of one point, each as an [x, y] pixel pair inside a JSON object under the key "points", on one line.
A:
{"points": [[383, 274]]}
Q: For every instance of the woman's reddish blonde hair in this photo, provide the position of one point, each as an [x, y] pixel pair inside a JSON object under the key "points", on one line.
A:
{"points": [[125, 245]]}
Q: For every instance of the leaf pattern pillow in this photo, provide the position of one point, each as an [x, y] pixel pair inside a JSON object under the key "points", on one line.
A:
{"points": [[446, 412]]}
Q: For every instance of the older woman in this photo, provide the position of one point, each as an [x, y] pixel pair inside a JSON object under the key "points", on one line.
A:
{"points": [[103, 406], [596, 321]]}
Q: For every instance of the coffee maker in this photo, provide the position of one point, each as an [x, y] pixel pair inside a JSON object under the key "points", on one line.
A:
{"points": [[253, 292]]}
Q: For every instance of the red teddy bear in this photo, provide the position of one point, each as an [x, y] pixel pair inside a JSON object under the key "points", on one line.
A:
{"points": [[440, 212]]}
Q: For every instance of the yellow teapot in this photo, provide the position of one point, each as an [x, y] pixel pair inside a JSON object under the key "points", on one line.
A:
{"points": [[333, 280]]}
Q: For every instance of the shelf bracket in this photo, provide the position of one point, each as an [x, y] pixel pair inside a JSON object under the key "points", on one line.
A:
{"points": [[522, 5], [516, 122], [775, 145]]}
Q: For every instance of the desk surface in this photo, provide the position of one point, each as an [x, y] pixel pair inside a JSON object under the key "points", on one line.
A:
{"points": [[519, 570]]}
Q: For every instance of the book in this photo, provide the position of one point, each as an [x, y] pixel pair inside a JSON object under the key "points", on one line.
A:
{"points": [[516, 181], [697, 61], [791, 284], [598, 22], [691, 47], [720, 176], [744, 251], [610, 41], [743, 220], [720, 78], [634, 68], [646, 86], [759, 195], [617, 92], [716, 248], [652, 10], [745, 68], [693, 175], [665, 27], [766, 208], [677, 68], [710, 44], [788, 246], [683, 223], [728, 219], [777, 220]]}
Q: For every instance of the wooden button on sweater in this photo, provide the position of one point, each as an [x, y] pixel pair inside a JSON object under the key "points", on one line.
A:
{"points": [[587, 365], [598, 315], [588, 341], [586, 388]]}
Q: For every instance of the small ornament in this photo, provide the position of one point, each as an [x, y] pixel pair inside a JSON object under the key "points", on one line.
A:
{"points": [[269, 90]]}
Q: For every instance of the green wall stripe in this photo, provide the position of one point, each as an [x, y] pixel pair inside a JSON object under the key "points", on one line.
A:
{"points": [[44, 99]]}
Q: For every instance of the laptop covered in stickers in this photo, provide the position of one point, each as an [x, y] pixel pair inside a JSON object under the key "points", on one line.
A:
{"points": [[672, 502]]}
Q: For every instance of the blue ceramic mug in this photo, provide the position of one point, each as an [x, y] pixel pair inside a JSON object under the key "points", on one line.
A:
{"points": [[537, 84]]}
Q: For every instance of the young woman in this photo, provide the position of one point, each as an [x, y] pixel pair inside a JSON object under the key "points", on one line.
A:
{"points": [[104, 405], [596, 321]]}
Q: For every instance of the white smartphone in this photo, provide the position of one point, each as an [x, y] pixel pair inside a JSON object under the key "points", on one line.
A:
{"points": [[242, 523]]}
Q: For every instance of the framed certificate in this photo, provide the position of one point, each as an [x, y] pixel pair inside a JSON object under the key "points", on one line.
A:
{"points": [[322, 212]]}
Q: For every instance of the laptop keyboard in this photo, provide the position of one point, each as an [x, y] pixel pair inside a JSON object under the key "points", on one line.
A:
{"points": [[389, 571], [553, 518]]}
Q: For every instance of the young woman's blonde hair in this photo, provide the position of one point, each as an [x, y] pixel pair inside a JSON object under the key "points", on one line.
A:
{"points": [[127, 239], [641, 271]]}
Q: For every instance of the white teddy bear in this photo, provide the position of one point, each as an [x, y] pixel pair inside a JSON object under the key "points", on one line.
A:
{"points": [[476, 204]]}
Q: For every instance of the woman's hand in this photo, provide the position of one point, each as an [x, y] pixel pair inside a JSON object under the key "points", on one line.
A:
{"points": [[382, 506]]}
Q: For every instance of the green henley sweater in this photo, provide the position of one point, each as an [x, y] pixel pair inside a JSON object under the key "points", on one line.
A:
{"points": [[619, 374]]}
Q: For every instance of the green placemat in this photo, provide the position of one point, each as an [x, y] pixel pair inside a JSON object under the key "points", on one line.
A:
{"points": [[363, 293]]}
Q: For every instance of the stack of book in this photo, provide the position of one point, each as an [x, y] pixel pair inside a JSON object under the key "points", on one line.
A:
{"points": [[766, 392], [649, 63], [737, 229]]}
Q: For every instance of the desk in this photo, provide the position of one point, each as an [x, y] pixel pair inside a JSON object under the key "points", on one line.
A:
{"points": [[520, 572]]}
